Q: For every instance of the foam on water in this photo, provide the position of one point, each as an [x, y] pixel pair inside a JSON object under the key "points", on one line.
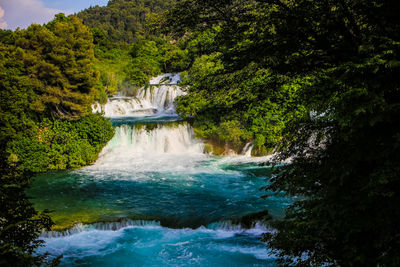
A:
{"points": [[154, 167], [156, 99], [100, 226], [154, 245], [161, 147], [247, 149], [166, 78], [222, 228]]}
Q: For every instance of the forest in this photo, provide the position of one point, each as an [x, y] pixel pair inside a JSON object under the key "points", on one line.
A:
{"points": [[313, 82]]}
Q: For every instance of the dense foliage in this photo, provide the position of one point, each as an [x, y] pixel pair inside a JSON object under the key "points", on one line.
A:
{"points": [[59, 60], [60, 145], [124, 70], [316, 80], [129, 47], [319, 78], [122, 21], [20, 223], [47, 86], [233, 104], [153, 57]]}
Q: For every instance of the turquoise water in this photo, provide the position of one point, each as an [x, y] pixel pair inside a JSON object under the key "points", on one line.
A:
{"points": [[171, 204], [160, 246]]}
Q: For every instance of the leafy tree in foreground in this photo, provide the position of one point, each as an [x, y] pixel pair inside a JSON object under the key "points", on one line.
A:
{"points": [[20, 223], [46, 89], [343, 57]]}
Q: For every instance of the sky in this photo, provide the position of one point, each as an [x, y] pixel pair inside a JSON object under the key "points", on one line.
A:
{"points": [[22, 13]]}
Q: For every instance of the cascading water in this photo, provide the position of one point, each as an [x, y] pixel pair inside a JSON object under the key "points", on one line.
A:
{"points": [[247, 150], [155, 139], [157, 98], [155, 198]]}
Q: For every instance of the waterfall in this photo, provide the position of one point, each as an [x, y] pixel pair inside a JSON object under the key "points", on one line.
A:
{"points": [[247, 149], [101, 226], [166, 138], [146, 147], [156, 99], [257, 227]]}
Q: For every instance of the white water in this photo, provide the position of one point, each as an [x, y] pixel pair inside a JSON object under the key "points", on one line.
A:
{"points": [[154, 100], [154, 245], [166, 78], [169, 147], [161, 169], [247, 149], [223, 227], [160, 139], [108, 226]]}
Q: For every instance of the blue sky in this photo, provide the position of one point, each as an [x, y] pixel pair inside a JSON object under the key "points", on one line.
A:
{"points": [[22, 13]]}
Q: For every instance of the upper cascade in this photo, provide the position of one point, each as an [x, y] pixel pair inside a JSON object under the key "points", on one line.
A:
{"points": [[157, 99]]}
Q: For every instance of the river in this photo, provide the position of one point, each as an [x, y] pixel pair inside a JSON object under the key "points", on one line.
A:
{"points": [[155, 198]]}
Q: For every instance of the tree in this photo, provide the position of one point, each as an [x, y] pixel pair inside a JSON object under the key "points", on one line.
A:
{"points": [[59, 60], [46, 74], [123, 21], [20, 223], [340, 59]]}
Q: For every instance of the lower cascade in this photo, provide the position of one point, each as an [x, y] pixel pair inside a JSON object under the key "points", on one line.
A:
{"points": [[227, 226], [154, 197]]}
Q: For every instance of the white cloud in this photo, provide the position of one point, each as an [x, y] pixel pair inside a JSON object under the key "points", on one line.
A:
{"points": [[22, 13], [3, 23]]}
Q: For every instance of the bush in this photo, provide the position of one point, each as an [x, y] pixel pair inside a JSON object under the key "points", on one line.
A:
{"points": [[60, 145]]}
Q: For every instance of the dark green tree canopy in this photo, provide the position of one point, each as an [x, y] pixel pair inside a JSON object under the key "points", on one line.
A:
{"points": [[340, 60], [59, 60], [123, 21]]}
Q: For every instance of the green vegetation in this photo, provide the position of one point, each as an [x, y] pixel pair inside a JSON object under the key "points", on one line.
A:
{"points": [[235, 106], [151, 58], [123, 22], [60, 145], [112, 65], [47, 82], [20, 223], [129, 48], [318, 80], [127, 69], [59, 61]]}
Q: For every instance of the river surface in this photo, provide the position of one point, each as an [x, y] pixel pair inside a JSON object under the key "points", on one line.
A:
{"points": [[155, 198]]}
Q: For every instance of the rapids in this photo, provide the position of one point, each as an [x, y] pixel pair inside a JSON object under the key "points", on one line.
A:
{"points": [[154, 197]]}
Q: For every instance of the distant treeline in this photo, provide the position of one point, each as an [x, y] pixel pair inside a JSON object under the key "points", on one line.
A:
{"points": [[125, 21]]}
